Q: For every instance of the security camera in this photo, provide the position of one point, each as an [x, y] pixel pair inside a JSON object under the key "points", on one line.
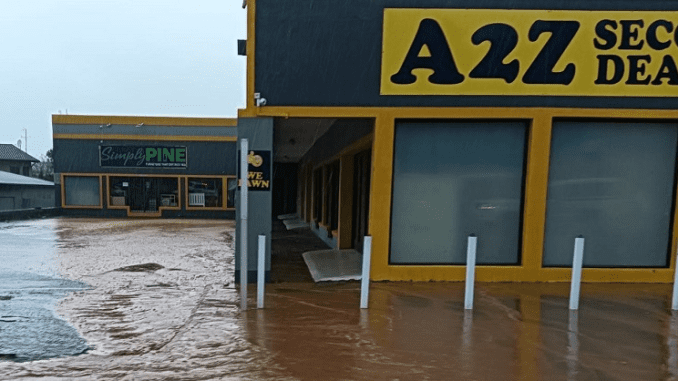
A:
{"points": [[259, 101]]}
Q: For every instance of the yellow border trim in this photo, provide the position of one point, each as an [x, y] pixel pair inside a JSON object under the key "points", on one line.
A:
{"points": [[250, 110], [148, 120], [146, 137], [63, 193], [462, 112], [541, 120]]}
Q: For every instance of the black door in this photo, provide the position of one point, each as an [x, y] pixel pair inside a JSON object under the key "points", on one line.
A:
{"points": [[361, 197]]}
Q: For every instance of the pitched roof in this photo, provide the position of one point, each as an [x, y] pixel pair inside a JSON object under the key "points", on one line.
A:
{"points": [[11, 152], [7, 178]]}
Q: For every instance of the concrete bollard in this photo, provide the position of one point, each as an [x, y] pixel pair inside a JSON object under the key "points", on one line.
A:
{"points": [[243, 223], [674, 304], [365, 279], [577, 261], [261, 271], [470, 270]]}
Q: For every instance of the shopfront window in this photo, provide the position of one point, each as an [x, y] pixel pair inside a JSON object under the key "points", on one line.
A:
{"points": [[205, 192], [452, 179], [144, 194], [82, 191], [613, 184]]}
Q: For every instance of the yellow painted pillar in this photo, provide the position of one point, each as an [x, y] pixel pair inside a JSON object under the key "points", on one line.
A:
{"points": [[534, 217], [380, 194]]}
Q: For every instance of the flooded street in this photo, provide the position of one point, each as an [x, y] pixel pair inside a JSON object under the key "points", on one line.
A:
{"points": [[155, 300]]}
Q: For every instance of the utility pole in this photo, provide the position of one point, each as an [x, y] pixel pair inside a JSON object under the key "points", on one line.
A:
{"points": [[25, 139]]}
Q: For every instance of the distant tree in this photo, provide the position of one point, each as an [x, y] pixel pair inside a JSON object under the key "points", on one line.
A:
{"points": [[45, 168]]}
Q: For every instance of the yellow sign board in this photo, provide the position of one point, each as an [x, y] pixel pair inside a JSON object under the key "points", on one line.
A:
{"points": [[529, 52]]}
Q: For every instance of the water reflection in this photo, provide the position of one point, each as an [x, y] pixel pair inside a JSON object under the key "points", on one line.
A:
{"points": [[572, 344], [515, 332], [672, 345]]}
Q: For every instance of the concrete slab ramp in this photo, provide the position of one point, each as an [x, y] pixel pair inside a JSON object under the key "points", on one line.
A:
{"points": [[334, 265], [295, 223]]}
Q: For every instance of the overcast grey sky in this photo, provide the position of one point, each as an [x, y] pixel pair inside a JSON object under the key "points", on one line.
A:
{"points": [[117, 57]]}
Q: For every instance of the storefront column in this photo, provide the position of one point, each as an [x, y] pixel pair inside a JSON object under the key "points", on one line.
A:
{"points": [[535, 196], [259, 133], [380, 195]]}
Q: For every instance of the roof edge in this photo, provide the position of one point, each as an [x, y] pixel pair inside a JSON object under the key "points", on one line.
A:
{"points": [[33, 160]]}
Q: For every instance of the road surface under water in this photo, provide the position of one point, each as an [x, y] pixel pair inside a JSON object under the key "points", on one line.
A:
{"points": [[29, 288], [161, 305]]}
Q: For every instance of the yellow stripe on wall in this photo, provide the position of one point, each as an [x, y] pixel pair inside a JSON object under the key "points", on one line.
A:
{"points": [[146, 137], [148, 120]]}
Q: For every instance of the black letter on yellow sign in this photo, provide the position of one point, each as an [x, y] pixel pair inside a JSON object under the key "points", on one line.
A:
{"points": [[541, 70], [605, 34], [668, 70], [503, 39], [440, 60], [618, 72], [636, 69], [652, 39]]}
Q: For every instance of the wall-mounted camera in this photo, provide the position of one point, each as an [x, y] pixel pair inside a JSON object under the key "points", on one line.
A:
{"points": [[258, 100]]}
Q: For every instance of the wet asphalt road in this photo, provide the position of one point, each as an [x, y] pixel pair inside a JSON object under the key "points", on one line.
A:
{"points": [[30, 286], [160, 304]]}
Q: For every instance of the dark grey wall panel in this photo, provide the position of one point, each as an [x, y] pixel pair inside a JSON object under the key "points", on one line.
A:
{"points": [[328, 53], [203, 158]]}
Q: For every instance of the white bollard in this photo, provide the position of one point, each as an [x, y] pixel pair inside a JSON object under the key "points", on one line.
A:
{"points": [[470, 270], [365, 279], [674, 305], [261, 271], [576, 272], [243, 223]]}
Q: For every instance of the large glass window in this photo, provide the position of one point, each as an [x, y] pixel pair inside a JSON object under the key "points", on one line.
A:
{"points": [[613, 184], [452, 179], [82, 191], [205, 192]]}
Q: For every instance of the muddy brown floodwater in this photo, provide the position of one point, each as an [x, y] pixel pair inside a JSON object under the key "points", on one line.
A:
{"points": [[162, 306]]}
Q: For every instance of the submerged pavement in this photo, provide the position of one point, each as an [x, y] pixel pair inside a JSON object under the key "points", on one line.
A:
{"points": [[29, 289], [160, 304]]}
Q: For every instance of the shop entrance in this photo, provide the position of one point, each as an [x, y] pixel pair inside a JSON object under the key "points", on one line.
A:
{"points": [[144, 194]]}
